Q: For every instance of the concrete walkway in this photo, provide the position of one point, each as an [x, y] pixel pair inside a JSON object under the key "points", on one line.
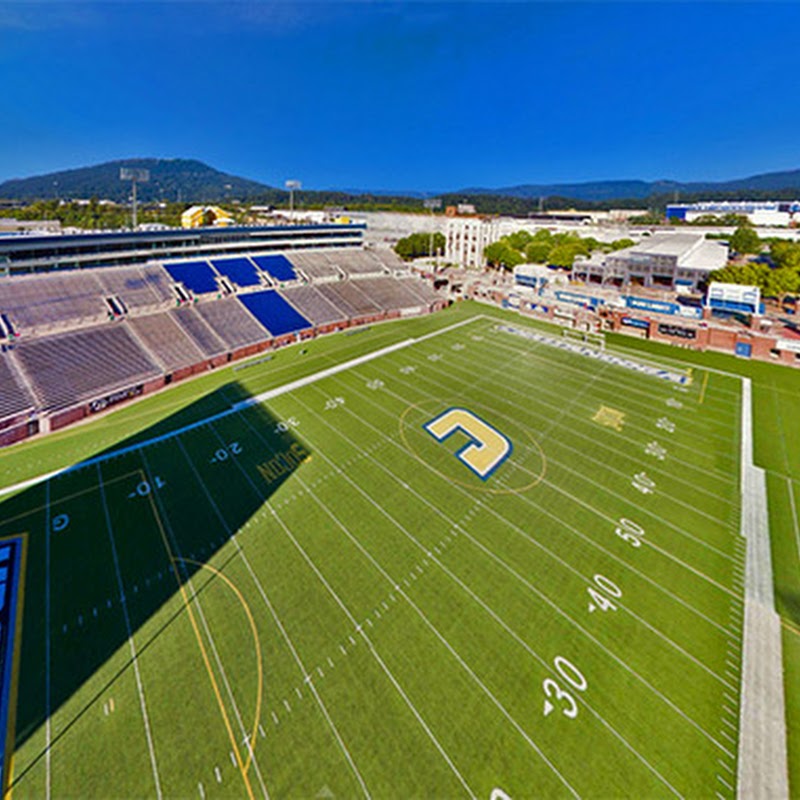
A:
{"points": [[763, 772]]}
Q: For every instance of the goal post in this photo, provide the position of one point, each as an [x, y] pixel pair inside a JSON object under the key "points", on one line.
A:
{"points": [[590, 338]]}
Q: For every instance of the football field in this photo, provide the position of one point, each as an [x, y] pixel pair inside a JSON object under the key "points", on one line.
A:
{"points": [[476, 565]]}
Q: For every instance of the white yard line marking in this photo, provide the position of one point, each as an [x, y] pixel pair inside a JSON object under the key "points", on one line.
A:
{"points": [[485, 607], [262, 593], [132, 646], [195, 599], [790, 488], [554, 606], [47, 655], [539, 508]]}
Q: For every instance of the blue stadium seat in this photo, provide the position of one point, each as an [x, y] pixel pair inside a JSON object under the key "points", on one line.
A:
{"points": [[278, 266], [240, 270], [194, 275], [274, 313]]}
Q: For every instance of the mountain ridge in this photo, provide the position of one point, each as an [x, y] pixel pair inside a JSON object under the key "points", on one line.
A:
{"points": [[190, 180]]}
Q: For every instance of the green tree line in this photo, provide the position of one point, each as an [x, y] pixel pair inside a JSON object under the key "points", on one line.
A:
{"points": [[544, 247]]}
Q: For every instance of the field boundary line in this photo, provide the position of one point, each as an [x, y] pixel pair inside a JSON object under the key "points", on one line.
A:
{"points": [[187, 605], [260, 588], [131, 643], [522, 642], [763, 760], [790, 487], [356, 626], [256, 642], [589, 541], [589, 377], [608, 468], [236, 408], [47, 653], [396, 586]]}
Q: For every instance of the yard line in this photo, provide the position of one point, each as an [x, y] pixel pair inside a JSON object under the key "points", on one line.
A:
{"points": [[394, 584], [554, 606], [630, 388], [372, 650], [491, 369], [134, 658], [790, 488], [47, 691], [376, 655], [528, 501], [259, 587], [606, 467], [528, 411], [194, 597], [483, 605]]}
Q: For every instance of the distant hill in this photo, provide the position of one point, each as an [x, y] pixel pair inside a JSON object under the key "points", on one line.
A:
{"points": [[599, 191], [170, 179], [193, 181]]}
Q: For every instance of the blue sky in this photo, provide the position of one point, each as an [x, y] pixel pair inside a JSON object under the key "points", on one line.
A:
{"points": [[421, 95]]}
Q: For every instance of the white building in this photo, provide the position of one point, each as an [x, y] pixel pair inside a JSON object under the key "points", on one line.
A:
{"points": [[668, 260], [758, 212], [467, 237]]}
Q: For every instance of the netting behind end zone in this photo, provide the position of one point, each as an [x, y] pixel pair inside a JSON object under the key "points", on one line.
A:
{"points": [[580, 348]]}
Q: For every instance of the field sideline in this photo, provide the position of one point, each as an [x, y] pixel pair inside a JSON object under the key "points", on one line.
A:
{"points": [[319, 580]]}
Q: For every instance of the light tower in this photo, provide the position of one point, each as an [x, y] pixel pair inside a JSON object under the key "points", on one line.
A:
{"points": [[431, 204], [134, 176], [291, 185]]}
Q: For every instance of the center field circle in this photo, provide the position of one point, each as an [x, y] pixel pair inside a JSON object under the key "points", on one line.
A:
{"points": [[523, 469]]}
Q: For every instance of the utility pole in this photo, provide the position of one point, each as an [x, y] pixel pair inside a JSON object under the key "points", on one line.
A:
{"points": [[134, 176], [432, 203]]}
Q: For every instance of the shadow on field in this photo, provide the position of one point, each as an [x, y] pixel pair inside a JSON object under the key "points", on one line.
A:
{"points": [[245, 457]]}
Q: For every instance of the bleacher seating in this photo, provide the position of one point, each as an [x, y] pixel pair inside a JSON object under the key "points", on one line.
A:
{"points": [[390, 293], [426, 293], [41, 302], [313, 305], [349, 298], [209, 343], [65, 358], [240, 270], [232, 323], [84, 365], [159, 281], [278, 267], [356, 262], [274, 313], [14, 397], [166, 340], [316, 265], [136, 289], [197, 276], [390, 259]]}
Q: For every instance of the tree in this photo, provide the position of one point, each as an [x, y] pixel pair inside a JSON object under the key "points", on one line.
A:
{"points": [[419, 244], [519, 240], [745, 240], [785, 254], [563, 255], [621, 244], [538, 252], [501, 254]]}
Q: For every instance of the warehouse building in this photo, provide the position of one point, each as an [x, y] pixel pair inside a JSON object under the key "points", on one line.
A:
{"points": [[767, 212], [677, 261]]}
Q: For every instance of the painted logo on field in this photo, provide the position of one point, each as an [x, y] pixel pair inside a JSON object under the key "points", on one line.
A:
{"points": [[487, 447]]}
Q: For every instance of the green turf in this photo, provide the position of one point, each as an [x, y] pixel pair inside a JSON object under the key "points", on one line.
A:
{"points": [[408, 615]]}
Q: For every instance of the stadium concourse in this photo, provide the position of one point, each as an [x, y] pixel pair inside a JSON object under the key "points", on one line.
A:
{"points": [[77, 342]]}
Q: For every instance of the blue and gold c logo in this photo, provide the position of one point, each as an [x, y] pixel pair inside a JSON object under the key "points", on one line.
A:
{"points": [[486, 449]]}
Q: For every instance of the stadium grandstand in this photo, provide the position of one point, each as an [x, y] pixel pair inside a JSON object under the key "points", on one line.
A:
{"points": [[74, 342], [27, 253]]}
